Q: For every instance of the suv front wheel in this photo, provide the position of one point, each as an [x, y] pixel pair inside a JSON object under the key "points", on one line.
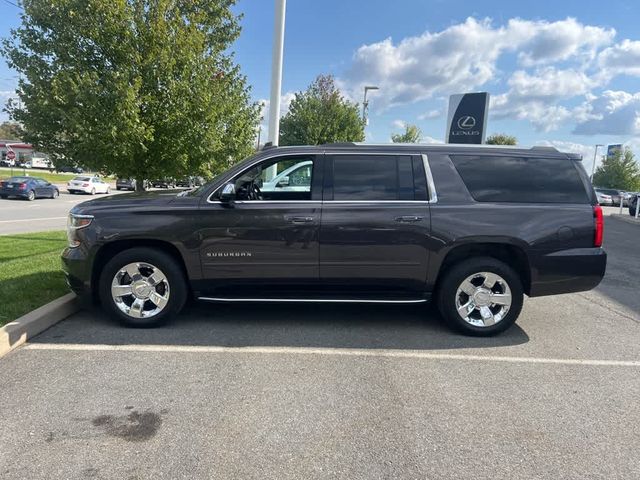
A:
{"points": [[142, 287], [481, 296]]}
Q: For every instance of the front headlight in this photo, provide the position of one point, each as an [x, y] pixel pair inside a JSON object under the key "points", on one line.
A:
{"points": [[75, 223]]}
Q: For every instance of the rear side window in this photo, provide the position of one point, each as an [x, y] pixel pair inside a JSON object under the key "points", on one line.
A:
{"points": [[519, 179], [372, 177]]}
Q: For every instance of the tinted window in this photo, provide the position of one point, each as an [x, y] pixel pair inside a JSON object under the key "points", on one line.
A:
{"points": [[372, 177], [516, 179]]}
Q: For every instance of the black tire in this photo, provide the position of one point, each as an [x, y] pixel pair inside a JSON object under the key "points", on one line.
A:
{"points": [[31, 195], [118, 188], [174, 276], [454, 277]]}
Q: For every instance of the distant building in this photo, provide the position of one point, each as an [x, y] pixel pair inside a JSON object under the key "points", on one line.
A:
{"points": [[24, 154]]}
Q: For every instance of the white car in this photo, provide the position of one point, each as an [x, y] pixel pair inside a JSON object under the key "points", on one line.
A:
{"points": [[603, 198], [296, 178], [87, 184]]}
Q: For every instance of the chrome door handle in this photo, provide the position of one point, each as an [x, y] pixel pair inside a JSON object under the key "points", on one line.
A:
{"points": [[300, 220], [408, 218]]}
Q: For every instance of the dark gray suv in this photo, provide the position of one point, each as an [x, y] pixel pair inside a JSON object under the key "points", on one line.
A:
{"points": [[474, 228]]}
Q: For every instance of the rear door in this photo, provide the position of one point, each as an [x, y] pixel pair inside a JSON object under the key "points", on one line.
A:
{"points": [[375, 224]]}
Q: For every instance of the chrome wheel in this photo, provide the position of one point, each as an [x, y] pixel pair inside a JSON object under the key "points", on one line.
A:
{"points": [[140, 290], [483, 299]]}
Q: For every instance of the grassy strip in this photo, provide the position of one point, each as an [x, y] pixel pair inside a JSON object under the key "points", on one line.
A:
{"points": [[30, 272], [45, 175]]}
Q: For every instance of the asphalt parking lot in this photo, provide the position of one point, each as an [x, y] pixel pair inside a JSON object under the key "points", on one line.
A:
{"points": [[308, 391]]}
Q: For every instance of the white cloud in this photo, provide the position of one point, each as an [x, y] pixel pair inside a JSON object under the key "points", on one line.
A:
{"points": [[431, 114], [399, 124], [612, 113], [586, 151], [463, 57], [623, 58]]}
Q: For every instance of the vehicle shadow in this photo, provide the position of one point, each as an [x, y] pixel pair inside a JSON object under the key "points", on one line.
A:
{"points": [[366, 326]]}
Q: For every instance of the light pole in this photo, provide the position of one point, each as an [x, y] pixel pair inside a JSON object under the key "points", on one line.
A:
{"points": [[595, 154], [365, 102], [276, 71]]}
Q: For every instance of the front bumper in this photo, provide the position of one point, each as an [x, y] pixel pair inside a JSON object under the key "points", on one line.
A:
{"points": [[567, 271], [76, 267]]}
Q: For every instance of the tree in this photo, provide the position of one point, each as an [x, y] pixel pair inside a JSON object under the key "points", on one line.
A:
{"points": [[319, 115], [412, 134], [501, 139], [619, 171], [139, 88], [10, 131]]}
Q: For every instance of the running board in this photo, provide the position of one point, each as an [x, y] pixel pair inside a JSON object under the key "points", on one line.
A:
{"points": [[309, 300]]}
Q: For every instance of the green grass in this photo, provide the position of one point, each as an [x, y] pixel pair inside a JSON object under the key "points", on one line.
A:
{"points": [[30, 272], [49, 177]]}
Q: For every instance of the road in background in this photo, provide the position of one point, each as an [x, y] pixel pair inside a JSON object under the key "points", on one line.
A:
{"points": [[336, 391]]}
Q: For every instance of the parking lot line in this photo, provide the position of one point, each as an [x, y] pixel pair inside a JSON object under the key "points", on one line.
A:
{"points": [[32, 219], [349, 352]]}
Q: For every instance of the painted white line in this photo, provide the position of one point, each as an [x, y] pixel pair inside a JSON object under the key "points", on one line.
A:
{"points": [[347, 352], [32, 219]]}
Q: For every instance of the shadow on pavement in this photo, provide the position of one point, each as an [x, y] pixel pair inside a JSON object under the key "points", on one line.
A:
{"points": [[415, 327]]}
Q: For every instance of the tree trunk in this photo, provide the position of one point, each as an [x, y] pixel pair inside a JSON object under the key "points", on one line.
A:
{"points": [[139, 184]]}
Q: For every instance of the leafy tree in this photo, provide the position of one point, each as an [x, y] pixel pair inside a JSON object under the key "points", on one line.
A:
{"points": [[10, 131], [139, 88], [319, 115], [618, 171], [412, 134], [501, 139]]}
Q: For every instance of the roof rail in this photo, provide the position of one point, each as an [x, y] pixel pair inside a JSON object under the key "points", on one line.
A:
{"points": [[339, 144], [545, 148]]}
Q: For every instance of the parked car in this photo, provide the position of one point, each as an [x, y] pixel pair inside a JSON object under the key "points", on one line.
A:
{"points": [[128, 184], [614, 195], [91, 185], [29, 188], [393, 223], [188, 182], [603, 198], [7, 163], [296, 178], [69, 169], [163, 183]]}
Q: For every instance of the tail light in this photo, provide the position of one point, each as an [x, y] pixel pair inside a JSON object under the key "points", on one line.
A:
{"points": [[599, 224], [22, 186], [3, 184]]}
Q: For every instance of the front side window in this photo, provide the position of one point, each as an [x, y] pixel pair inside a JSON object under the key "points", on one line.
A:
{"points": [[283, 178]]}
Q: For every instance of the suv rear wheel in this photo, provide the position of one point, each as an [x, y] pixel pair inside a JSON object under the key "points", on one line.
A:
{"points": [[481, 296], [142, 287]]}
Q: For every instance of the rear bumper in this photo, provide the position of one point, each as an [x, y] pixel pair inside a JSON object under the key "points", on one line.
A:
{"points": [[14, 193], [567, 271]]}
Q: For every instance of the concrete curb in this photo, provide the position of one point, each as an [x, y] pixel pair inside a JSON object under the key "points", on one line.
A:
{"points": [[626, 218], [14, 334]]}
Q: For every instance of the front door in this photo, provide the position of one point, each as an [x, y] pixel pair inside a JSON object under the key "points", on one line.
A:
{"points": [[375, 225], [265, 242]]}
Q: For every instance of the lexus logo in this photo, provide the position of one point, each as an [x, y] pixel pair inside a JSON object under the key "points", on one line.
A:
{"points": [[467, 122]]}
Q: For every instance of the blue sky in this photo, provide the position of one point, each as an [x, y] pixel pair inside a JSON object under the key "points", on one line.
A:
{"points": [[565, 72]]}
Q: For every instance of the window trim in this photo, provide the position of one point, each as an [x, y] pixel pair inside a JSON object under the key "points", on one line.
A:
{"points": [[432, 195]]}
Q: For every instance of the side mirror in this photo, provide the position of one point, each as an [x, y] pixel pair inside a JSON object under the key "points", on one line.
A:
{"points": [[228, 194], [284, 182]]}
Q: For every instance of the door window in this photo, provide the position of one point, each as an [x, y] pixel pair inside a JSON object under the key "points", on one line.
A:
{"points": [[285, 178], [372, 177]]}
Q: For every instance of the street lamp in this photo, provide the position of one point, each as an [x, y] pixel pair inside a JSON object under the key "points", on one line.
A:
{"points": [[595, 154], [276, 71], [365, 103]]}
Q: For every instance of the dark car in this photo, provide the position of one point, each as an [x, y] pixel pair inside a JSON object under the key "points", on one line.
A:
{"points": [[28, 187], [188, 182], [128, 184], [473, 228], [69, 169], [163, 183]]}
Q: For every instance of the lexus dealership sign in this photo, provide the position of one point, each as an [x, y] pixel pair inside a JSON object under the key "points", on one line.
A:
{"points": [[467, 119]]}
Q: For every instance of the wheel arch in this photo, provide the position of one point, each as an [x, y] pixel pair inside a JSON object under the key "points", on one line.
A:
{"points": [[510, 253], [109, 250]]}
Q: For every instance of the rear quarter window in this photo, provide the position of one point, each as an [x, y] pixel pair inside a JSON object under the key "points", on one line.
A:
{"points": [[521, 179]]}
